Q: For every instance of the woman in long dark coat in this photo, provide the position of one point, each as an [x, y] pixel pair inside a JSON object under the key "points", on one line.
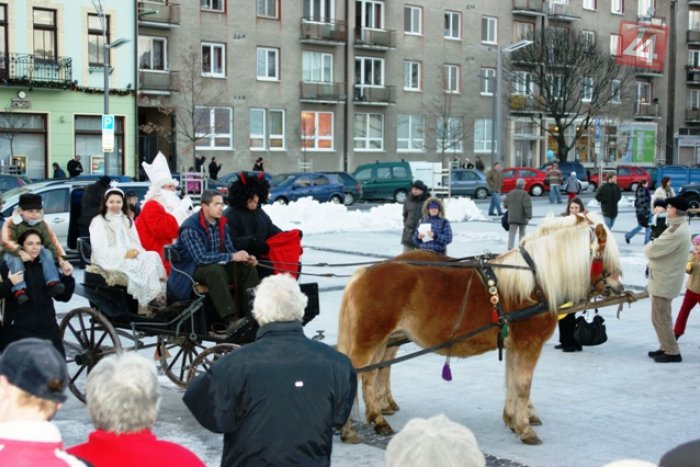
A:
{"points": [[36, 317]]}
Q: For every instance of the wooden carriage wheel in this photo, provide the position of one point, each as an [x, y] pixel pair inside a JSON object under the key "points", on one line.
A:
{"points": [[87, 337], [176, 355], [207, 358]]}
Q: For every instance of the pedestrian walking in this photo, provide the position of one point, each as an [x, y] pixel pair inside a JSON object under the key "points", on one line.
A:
{"points": [[572, 186], [665, 191], [519, 206], [494, 177], [642, 208], [554, 178], [608, 196]]}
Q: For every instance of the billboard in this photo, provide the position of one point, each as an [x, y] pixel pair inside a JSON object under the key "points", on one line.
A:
{"points": [[642, 45]]}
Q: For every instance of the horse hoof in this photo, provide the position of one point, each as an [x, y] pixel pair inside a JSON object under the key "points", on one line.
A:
{"points": [[349, 437], [531, 439], [535, 420], [383, 429], [387, 411], [394, 406]]}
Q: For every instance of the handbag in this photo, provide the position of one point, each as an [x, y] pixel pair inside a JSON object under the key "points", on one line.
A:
{"points": [[590, 333], [504, 221]]}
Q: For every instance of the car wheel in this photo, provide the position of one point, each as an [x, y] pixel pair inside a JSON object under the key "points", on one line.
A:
{"points": [[481, 193], [335, 199], [536, 190], [634, 186], [280, 200], [693, 201], [348, 199], [400, 196]]}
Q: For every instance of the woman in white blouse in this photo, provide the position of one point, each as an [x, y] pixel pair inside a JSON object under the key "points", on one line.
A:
{"points": [[665, 191], [116, 247]]}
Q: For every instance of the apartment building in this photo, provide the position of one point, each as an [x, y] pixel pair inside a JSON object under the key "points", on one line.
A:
{"points": [[51, 85]]}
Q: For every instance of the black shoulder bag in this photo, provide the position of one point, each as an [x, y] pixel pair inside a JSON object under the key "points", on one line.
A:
{"points": [[592, 333]]}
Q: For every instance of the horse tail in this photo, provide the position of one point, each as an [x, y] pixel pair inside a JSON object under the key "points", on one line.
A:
{"points": [[345, 315]]}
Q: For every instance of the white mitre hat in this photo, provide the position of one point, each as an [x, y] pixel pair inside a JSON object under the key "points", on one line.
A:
{"points": [[158, 171]]}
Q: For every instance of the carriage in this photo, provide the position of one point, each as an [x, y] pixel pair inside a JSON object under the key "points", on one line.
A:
{"points": [[179, 334]]}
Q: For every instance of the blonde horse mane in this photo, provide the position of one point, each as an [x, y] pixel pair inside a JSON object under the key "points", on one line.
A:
{"points": [[562, 266]]}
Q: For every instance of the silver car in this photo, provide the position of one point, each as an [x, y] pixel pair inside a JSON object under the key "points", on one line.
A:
{"points": [[469, 182]]}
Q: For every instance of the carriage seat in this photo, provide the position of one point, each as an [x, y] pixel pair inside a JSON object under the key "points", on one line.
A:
{"points": [[172, 255], [111, 277]]}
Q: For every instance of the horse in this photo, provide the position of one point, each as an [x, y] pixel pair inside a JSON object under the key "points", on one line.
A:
{"points": [[431, 300]]}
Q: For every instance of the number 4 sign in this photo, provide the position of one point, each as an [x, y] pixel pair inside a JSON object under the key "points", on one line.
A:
{"points": [[642, 45]]}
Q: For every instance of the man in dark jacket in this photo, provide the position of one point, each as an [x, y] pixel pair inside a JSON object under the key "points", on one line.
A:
{"points": [[519, 206], [608, 196], [91, 203], [74, 167], [277, 400], [412, 209]]}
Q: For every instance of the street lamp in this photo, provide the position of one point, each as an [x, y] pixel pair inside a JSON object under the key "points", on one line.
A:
{"points": [[106, 46], [496, 128]]}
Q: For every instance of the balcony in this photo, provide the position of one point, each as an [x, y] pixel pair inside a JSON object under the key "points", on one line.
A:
{"points": [[154, 15], [693, 2], [158, 81], [31, 70], [323, 32], [646, 111], [328, 93], [693, 37], [692, 75], [563, 13], [528, 7], [692, 115], [374, 96], [381, 39], [520, 104]]}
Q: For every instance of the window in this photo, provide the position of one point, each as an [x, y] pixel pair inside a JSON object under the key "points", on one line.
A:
{"points": [[449, 134], [369, 132], [616, 91], [267, 9], [413, 20], [213, 60], [412, 75], [523, 31], [615, 41], [556, 86], [645, 8], [370, 14], [694, 99], [317, 131], [212, 5], [153, 53], [523, 83], [267, 129], [694, 20], [31, 142], [88, 144], [214, 127], [587, 89], [3, 33], [694, 58], [268, 64], [642, 92], [590, 4], [318, 10], [588, 38], [44, 34], [453, 25], [617, 6], [489, 30], [451, 78], [95, 40], [316, 67], [483, 135], [488, 81], [369, 71], [410, 133]]}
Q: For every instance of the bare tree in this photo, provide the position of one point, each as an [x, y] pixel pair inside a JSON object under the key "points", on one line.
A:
{"points": [[570, 79], [449, 131], [12, 124]]}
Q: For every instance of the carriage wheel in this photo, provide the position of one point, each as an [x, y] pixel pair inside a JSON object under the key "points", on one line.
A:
{"points": [[206, 359], [87, 337], [176, 355]]}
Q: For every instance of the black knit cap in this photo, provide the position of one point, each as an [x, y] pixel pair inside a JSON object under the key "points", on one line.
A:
{"points": [[245, 186], [30, 201]]}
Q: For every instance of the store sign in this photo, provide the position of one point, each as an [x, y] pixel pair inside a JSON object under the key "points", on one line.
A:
{"points": [[642, 45], [21, 103]]}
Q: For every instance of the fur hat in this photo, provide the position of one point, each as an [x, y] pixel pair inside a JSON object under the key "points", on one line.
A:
{"points": [[245, 186], [30, 201], [420, 185]]}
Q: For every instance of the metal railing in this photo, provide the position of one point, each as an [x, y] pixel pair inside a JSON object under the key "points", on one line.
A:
{"points": [[369, 95], [385, 38], [646, 109], [322, 91], [32, 68], [323, 30], [157, 13], [535, 6], [159, 80]]}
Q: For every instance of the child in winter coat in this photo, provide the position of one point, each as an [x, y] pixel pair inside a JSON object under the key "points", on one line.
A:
{"points": [[692, 291], [434, 232]]}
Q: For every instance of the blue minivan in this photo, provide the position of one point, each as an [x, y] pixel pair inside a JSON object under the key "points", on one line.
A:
{"points": [[285, 188]]}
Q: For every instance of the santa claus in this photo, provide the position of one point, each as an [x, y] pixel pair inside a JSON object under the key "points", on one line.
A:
{"points": [[163, 210]]}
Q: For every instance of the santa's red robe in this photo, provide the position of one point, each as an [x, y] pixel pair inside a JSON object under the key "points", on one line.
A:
{"points": [[156, 229]]}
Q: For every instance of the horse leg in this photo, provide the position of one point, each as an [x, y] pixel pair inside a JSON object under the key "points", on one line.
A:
{"points": [[373, 410], [509, 408], [524, 360], [386, 399], [532, 414]]}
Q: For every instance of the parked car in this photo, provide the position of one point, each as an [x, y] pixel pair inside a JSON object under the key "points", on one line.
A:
{"points": [[469, 182], [8, 182], [691, 192], [230, 177], [294, 186], [567, 167], [351, 186], [385, 180], [534, 180], [628, 176]]}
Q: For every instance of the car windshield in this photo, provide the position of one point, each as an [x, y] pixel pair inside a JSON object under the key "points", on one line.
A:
{"points": [[281, 180]]}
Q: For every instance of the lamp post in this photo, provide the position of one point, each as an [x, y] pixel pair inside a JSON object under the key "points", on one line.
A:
{"points": [[496, 128]]}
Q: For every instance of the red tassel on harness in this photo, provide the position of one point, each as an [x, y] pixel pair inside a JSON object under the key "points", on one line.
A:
{"points": [[597, 267]]}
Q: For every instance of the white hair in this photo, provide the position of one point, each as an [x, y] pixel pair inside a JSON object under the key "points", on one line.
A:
{"points": [[278, 298], [123, 394]]}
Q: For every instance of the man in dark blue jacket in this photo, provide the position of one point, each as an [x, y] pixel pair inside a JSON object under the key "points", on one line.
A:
{"points": [[278, 399], [208, 256]]}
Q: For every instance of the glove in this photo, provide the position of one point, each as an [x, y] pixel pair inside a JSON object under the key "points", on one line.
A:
{"points": [[259, 246]]}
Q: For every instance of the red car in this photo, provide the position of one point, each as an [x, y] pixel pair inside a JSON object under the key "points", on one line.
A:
{"points": [[628, 176], [534, 180]]}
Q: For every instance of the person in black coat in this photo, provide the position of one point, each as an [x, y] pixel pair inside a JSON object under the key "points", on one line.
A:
{"points": [[74, 167], [36, 317], [91, 203], [249, 225], [214, 168], [58, 172], [258, 166], [412, 213]]}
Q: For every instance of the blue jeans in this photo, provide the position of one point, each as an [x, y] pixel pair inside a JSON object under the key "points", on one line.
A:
{"points": [[554, 193], [609, 221], [638, 228], [48, 267], [495, 204]]}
